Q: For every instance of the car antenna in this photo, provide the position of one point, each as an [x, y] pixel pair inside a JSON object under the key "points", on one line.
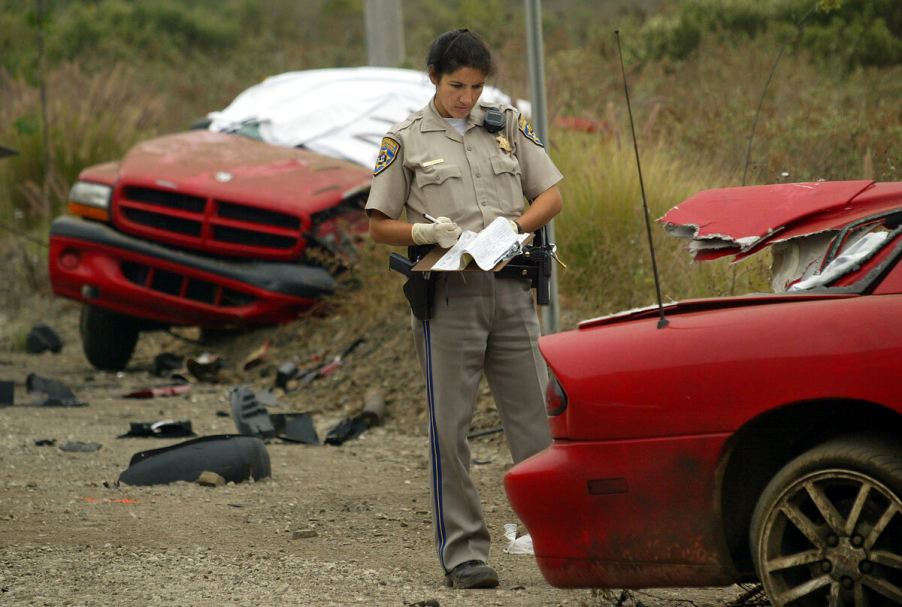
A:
{"points": [[662, 322]]}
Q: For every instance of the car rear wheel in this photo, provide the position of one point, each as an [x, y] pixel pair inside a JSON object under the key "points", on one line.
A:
{"points": [[827, 530], [107, 338]]}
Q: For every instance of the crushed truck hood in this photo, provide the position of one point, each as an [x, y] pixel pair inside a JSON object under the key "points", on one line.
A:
{"points": [[230, 167]]}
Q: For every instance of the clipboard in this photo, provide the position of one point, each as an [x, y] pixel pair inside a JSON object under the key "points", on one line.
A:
{"points": [[425, 264]]}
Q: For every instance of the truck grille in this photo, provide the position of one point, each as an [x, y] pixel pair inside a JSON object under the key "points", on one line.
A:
{"points": [[208, 224], [179, 285]]}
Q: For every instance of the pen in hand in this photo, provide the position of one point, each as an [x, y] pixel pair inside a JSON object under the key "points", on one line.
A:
{"points": [[430, 218]]}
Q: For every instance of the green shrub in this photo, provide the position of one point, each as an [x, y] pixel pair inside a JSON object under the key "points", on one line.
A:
{"points": [[857, 32]]}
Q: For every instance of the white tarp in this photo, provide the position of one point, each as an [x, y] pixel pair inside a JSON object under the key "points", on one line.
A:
{"points": [[340, 112]]}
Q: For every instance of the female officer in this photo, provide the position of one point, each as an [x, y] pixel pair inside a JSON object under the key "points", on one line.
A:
{"points": [[442, 162]]}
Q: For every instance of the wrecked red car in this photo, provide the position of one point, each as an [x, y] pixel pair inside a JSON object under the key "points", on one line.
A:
{"points": [[201, 228], [754, 437]]}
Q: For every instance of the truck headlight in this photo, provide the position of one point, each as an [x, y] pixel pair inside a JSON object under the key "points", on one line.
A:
{"points": [[90, 200]]}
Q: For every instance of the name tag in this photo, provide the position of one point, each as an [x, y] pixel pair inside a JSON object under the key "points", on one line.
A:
{"points": [[430, 163]]}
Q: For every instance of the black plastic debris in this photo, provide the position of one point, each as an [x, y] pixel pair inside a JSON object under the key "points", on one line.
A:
{"points": [[7, 393], [42, 338], [285, 373], [235, 458], [251, 417], [166, 428], [52, 393], [77, 446], [295, 428], [166, 363], [5, 151], [352, 427], [205, 367], [44, 442]]}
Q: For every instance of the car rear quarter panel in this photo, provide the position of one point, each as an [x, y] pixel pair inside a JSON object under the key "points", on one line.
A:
{"points": [[712, 371]]}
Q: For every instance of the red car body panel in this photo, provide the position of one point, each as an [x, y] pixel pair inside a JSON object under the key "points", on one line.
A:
{"points": [[195, 219], [630, 493], [746, 215]]}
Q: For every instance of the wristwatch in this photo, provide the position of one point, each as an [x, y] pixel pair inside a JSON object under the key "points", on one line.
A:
{"points": [[519, 227]]}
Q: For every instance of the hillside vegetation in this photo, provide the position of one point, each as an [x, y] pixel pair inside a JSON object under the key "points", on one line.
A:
{"points": [[118, 71]]}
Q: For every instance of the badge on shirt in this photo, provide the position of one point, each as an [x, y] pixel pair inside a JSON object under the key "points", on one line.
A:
{"points": [[530, 134], [387, 154], [503, 144]]}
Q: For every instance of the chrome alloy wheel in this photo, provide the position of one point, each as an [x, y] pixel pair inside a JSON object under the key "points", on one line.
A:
{"points": [[833, 538]]}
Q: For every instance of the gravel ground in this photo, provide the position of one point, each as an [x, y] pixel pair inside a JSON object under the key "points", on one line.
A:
{"points": [[333, 526]]}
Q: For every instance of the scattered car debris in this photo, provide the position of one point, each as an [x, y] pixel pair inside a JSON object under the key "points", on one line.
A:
{"points": [[251, 417], [295, 428], [289, 377], [285, 373], [235, 458], [174, 390], [205, 367], [255, 358], [165, 363], [210, 479], [7, 393], [42, 338], [78, 446], [44, 442], [55, 393], [352, 427], [166, 428]]}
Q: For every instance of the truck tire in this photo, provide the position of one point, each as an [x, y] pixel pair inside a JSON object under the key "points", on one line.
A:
{"points": [[107, 338]]}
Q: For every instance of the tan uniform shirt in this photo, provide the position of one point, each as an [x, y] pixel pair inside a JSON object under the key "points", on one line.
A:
{"points": [[427, 166]]}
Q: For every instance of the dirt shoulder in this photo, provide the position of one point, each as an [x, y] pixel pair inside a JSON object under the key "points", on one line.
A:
{"points": [[333, 526]]}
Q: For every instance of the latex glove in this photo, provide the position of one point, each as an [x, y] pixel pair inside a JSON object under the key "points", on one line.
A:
{"points": [[444, 233]]}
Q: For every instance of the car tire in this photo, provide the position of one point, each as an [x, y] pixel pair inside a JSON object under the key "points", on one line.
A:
{"points": [[107, 338], [827, 530]]}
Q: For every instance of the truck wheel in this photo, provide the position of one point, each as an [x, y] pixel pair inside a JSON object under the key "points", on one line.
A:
{"points": [[107, 338], [827, 530]]}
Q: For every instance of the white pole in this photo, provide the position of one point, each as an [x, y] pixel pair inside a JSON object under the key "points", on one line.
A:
{"points": [[551, 318]]}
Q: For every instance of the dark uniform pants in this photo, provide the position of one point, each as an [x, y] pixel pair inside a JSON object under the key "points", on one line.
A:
{"points": [[481, 324]]}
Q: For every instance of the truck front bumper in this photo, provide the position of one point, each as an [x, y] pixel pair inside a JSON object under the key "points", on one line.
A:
{"points": [[93, 263]]}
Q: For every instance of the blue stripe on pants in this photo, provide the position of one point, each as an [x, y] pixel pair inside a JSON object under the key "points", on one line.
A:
{"points": [[436, 455]]}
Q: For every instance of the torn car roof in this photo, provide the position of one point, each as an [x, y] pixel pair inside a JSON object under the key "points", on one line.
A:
{"points": [[741, 220]]}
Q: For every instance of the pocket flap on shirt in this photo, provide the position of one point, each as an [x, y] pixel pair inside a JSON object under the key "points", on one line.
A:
{"points": [[437, 174], [505, 164]]}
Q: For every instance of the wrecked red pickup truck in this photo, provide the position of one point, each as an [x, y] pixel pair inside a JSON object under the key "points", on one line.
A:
{"points": [[202, 228], [748, 438]]}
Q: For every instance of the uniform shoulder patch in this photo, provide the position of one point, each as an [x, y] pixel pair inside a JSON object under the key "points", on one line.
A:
{"points": [[530, 134], [387, 154]]}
